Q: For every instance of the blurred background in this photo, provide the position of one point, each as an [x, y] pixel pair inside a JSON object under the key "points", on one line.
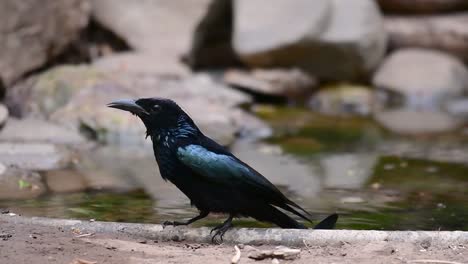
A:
{"points": [[353, 106]]}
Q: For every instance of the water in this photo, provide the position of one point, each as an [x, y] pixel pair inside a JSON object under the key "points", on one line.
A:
{"points": [[374, 179]]}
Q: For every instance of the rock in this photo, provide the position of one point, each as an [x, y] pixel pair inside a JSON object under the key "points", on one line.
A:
{"points": [[126, 169], [253, 128], [407, 121], [3, 115], [76, 97], [18, 183], [413, 84], [160, 28], [34, 156], [292, 83], [458, 107], [20, 130], [141, 62], [422, 6], [65, 181], [338, 39], [211, 44], [343, 99], [32, 32], [44, 94], [442, 32], [421, 73]]}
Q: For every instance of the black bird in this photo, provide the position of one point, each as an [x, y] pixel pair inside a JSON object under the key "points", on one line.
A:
{"points": [[207, 173]]}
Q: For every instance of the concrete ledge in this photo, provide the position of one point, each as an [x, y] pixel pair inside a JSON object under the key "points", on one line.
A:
{"points": [[252, 236]]}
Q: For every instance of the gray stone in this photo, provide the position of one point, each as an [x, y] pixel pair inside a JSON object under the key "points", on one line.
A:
{"points": [[32, 32], [18, 183], [339, 39], [260, 26], [410, 121], [292, 83], [65, 181], [250, 236], [447, 33], [141, 62], [43, 94], [34, 156], [161, 28], [422, 6], [3, 115], [36, 130], [343, 99], [413, 86], [422, 73], [76, 96], [125, 169]]}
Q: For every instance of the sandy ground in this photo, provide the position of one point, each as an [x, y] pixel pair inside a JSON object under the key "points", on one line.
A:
{"points": [[24, 243]]}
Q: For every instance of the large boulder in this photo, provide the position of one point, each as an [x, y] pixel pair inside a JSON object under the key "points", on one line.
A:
{"points": [[161, 30], [32, 32], [442, 32], [76, 97], [20, 131], [338, 39], [34, 156], [422, 6], [414, 85], [141, 62]]}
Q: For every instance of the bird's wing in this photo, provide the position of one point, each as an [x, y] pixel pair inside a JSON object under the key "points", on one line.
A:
{"points": [[228, 170]]}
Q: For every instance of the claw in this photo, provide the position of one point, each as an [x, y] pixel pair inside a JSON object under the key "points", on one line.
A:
{"points": [[214, 229], [221, 230]]}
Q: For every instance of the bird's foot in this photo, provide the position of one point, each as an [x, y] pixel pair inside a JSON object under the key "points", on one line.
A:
{"points": [[219, 232], [173, 223]]}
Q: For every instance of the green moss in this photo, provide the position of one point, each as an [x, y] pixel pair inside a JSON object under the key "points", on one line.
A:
{"points": [[415, 175], [294, 126], [299, 145]]}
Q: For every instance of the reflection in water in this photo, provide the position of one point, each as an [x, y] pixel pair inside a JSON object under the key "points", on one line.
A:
{"points": [[365, 175], [347, 171]]}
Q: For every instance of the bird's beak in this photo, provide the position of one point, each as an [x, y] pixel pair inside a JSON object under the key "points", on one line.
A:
{"points": [[128, 105]]}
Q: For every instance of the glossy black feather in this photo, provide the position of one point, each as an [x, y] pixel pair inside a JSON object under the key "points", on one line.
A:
{"points": [[207, 173]]}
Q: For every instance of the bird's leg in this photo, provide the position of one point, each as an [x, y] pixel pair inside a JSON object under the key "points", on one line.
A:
{"points": [[221, 229], [202, 215]]}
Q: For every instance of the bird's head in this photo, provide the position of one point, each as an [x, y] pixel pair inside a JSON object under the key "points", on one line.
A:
{"points": [[159, 115]]}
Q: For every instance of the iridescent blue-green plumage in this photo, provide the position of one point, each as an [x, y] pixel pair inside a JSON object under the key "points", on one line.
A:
{"points": [[207, 173]]}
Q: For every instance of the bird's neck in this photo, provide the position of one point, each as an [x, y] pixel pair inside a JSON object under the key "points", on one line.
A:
{"points": [[183, 130]]}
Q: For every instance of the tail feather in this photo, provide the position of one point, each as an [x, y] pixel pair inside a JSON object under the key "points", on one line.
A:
{"points": [[269, 213], [300, 208], [294, 211], [328, 223]]}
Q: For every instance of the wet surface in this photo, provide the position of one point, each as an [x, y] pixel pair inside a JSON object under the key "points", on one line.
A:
{"points": [[374, 179]]}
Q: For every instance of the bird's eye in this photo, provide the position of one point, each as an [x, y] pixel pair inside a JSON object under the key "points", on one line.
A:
{"points": [[156, 108]]}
